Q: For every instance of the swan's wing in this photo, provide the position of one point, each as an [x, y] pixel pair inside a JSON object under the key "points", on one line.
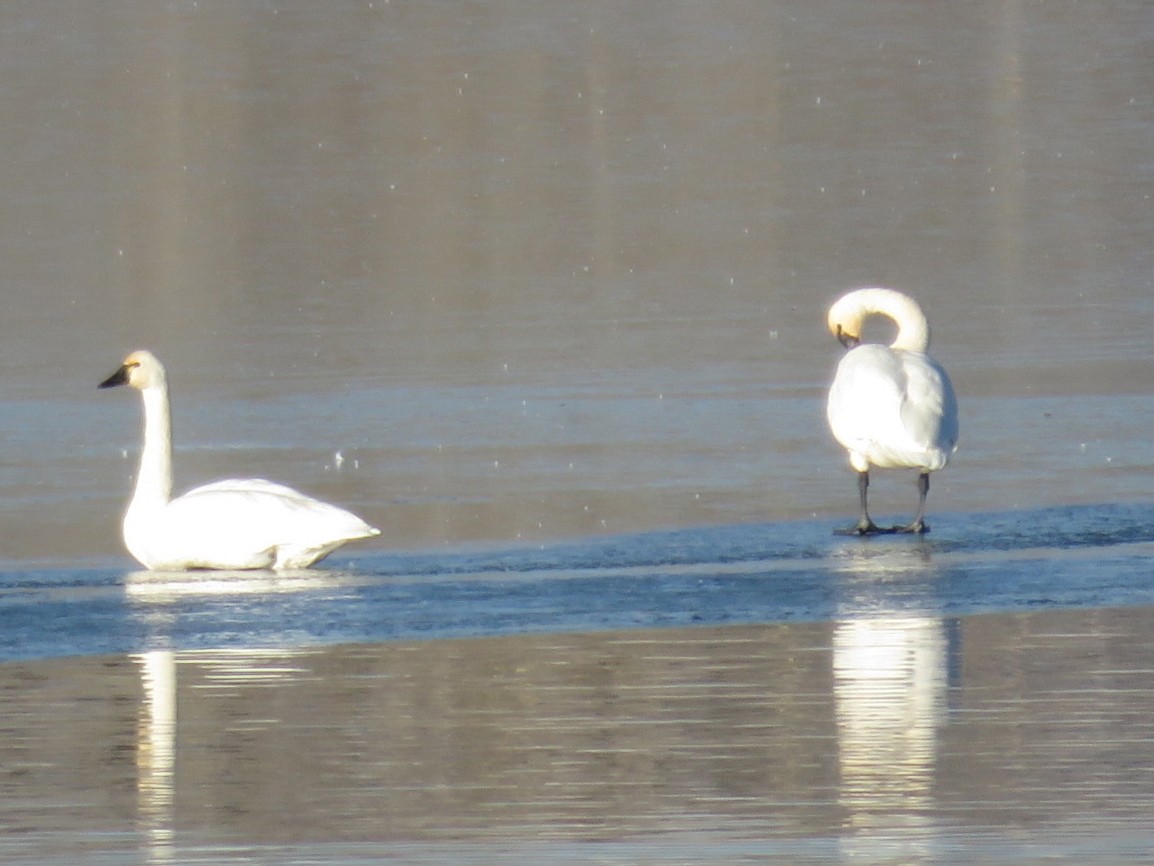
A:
{"points": [[893, 408], [249, 485], [930, 409], [866, 396], [244, 523], [257, 514]]}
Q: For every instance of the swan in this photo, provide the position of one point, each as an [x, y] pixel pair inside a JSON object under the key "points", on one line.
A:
{"points": [[890, 406], [234, 524]]}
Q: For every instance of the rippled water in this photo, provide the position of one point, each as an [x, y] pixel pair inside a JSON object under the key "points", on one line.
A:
{"points": [[539, 288], [713, 695], [1000, 738], [1079, 556]]}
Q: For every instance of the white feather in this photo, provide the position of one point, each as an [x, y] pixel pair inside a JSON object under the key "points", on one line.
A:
{"points": [[890, 406], [230, 524], [893, 409]]}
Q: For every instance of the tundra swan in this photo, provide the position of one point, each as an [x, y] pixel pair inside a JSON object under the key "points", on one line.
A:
{"points": [[233, 524], [890, 406]]}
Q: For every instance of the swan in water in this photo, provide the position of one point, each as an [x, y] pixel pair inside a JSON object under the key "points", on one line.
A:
{"points": [[233, 524], [890, 406]]}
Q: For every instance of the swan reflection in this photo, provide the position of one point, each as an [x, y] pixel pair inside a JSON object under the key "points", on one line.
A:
{"points": [[154, 597], [170, 586], [891, 679], [156, 752], [878, 561], [157, 729]]}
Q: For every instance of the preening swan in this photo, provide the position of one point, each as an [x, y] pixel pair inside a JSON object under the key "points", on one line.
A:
{"points": [[890, 406], [233, 524]]}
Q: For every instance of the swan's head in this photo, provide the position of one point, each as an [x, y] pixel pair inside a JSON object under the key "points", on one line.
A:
{"points": [[849, 313], [141, 370], [845, 324]]}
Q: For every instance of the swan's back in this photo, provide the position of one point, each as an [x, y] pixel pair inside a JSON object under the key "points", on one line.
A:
{"points": [[250, 523], [893, 408]]}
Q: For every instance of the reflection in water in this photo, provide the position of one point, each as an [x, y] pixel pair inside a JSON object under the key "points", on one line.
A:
{"points": [[220, 671], [890, 685], [151, 593], [571, 261], [878, 558], [889, 689], [156, 752], [162, 587], [827, 732]]}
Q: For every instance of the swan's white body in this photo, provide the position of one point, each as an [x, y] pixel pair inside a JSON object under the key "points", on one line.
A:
{"points": [[233, 524], [890, 406]]}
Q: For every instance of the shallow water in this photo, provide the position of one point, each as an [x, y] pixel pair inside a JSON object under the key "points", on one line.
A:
{"points": [[539, 272], [1079, 556], [708, 695], [539, 289], [996, 738]]}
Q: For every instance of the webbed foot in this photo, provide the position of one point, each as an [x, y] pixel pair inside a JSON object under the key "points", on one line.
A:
{"points": [[918, 527], [864, 529]]}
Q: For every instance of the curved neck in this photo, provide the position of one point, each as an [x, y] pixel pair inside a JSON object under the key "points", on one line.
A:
{"points": [[154, 480], [913, 332], [913, 329]]}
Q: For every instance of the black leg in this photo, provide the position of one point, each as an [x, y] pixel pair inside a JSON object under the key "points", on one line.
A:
{"points": [[918, 524], [864, 525]]}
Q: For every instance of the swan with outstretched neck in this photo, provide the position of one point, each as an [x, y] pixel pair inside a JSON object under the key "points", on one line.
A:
{"points": [[892, 406], [234, 524]]}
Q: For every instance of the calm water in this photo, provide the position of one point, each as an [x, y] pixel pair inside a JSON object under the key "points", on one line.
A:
{"points": [[902, 736], [539, 289]]}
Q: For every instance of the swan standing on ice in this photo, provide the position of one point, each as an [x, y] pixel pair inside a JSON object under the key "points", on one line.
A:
{"points": [[890, 406], [233, 524]]}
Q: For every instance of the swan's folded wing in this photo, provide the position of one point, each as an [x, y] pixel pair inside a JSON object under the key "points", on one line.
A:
{"points": [[893, 409], [249, 485], [865, 396], [930, 409], [263, 514]]}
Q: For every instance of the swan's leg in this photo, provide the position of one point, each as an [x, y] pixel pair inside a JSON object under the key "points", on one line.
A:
{"points": [[864, 525], [918, 524]]}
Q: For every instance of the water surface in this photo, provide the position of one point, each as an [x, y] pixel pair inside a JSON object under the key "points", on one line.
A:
{"points": [[541, 272], [539, 289], [999, 738]]}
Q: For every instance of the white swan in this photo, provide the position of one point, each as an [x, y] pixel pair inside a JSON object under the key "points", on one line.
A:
{"points": [[890, 406], [233, 524]]}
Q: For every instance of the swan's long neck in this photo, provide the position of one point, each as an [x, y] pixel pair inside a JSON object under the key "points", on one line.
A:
{"points": [[913, 329], [154, 480], [849, 313]]}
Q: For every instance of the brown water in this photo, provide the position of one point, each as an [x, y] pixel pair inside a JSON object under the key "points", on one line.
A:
{"points": [[991, 739], [515, 273], [542, 270]]}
